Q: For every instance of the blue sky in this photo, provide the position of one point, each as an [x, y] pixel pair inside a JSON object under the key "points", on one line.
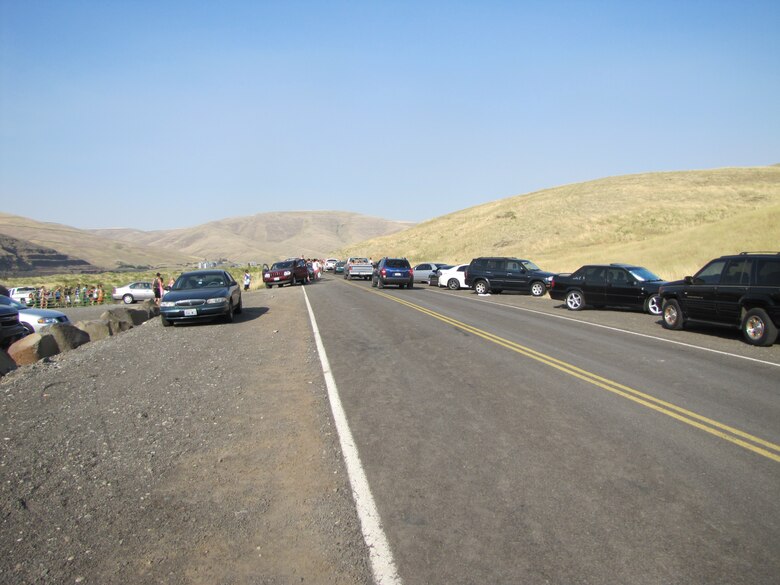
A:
{"points": [[159, 115]]}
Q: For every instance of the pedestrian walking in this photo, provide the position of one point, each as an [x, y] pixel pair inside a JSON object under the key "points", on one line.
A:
{"points": [[157, 285]]}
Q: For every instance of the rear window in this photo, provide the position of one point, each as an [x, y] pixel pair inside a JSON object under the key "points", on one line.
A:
{"points": [[397, 263]]}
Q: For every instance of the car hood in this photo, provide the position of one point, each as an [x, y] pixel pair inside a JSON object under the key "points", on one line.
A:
{"points": [[196, 293], [45, 313]]}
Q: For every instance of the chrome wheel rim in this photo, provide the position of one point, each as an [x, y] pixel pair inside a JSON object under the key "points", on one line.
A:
{"points": [[754, 327], [654, 305], [574, 301]]}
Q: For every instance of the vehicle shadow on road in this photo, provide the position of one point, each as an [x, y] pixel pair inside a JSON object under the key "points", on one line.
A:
{"points": [[251, 313]]}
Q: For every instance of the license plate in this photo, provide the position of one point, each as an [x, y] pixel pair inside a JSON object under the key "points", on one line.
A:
{"points": [[276, 278], [190, 312], [398, 274]]}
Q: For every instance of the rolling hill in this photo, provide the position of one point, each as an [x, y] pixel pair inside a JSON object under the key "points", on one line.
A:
{"points": [[671, 222], [264, 237]]}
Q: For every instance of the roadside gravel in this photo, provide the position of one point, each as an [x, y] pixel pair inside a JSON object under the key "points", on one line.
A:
{"points": [[190, 454]]}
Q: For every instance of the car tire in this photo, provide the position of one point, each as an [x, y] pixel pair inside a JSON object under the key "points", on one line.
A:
{"points": [[269, 286], [453, 284], [538, 288], [411, 284], [653, 305], [165, 322], [229, 314], [28, 327], [481, 287], [128, 299], [672, 315], [240, 307], [373, 283], [758, 328], [574, 300], [379, 283]]}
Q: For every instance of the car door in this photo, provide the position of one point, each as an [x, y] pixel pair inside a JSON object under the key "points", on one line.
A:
{"points": [[699, 296], [621, 289], [422, 272], [594, 280], [494, 271], [515, 276], [733, 286]]}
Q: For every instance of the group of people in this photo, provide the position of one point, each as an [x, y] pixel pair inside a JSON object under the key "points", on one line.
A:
{"points": [[66, 296]]}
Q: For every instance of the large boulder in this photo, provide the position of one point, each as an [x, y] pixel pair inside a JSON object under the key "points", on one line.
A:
{"points": [[6, 363], [32, 348], [115, 323], [66, 335], [96, 328]]}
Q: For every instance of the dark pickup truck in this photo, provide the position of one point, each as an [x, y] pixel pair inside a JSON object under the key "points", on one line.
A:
{"points": [[613, 285], [742, 291]]}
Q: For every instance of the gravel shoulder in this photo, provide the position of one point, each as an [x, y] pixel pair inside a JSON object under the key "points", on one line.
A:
{"points": [[189, 454]]}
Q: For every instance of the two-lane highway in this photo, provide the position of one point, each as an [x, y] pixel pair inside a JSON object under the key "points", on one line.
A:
{"points": [[506, 445]]}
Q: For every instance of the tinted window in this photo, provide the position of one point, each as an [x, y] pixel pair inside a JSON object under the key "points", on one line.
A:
{"points": [[768, 272], [594, 272], [423, 267], [617, 276], [282, 265], [397, 263], [710, 274], [512, 266], [737, 272]]}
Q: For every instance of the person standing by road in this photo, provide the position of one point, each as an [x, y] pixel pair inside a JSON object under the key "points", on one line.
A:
{"points": [[247, 279], [157, 285]]}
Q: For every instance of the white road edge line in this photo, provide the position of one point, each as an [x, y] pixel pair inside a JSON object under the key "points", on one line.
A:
{"points": [[689, 345], [382, 563]]}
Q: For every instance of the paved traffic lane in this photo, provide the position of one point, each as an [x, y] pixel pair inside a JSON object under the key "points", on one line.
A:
{"points": [[490, 466]]}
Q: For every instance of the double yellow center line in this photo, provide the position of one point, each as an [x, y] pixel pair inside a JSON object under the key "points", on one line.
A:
{"points": [[725, 432]]}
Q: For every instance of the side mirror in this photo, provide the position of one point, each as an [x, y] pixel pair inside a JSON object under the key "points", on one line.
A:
{"points": [[688, 280]]}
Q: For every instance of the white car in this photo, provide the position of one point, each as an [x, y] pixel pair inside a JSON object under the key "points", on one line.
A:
{"points": [[454, 278], [135, 291], [422, 272], [34, 319], [21, 293], [330, 263]]}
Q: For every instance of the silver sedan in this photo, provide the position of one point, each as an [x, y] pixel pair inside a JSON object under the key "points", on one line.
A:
{"points": [[34, 319]]}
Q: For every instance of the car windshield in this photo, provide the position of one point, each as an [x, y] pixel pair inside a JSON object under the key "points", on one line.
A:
{"points": [[4, 300], [283, 265], [529, 265], [643, 275], [199, 280], [360, 261]]}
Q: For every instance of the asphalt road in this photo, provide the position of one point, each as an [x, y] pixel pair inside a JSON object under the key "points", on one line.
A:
{"points": [[507, 440]]}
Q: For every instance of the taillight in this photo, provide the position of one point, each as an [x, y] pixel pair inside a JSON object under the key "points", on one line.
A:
{"points": [[552, 282], [384, 272], [411, 272]]}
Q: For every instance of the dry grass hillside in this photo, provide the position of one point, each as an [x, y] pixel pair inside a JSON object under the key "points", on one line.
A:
{"points": [[265, 237], [96, 250], [670, 222]]}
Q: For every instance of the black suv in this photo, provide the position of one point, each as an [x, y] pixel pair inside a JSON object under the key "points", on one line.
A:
{"points": [[740, 291], [10, 328], [393, 271], [486, 275]]}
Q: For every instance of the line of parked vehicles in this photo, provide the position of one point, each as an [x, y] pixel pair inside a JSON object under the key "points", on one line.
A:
{"points": [[740, 290]]}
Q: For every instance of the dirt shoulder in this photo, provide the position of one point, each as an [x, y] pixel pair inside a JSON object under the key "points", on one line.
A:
{"points": [[196, 454]]}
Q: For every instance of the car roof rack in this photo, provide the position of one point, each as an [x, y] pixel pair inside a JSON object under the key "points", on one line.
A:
{"points": [[766, 252]]}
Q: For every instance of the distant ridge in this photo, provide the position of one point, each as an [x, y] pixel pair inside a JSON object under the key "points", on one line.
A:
{"points": [[20, 258]]}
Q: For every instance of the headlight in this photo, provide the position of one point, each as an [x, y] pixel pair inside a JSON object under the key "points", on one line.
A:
{"points": [[167, 304], [46, 320], [266, 275], [287, 273], [548, 280], [216, 300]]}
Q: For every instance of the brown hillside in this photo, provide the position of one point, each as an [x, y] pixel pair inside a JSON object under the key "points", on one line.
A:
{"points": [[670, 222], [265, 237]]}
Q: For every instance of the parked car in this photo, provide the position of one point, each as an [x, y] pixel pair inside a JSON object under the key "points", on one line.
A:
{"points": [[393, 271], [330, 264], [201, 294], [423, 271], [496, 274], [613, 285], [339, 267], [31, 319], [10, 328], [133, 292], [21, 293], [741, 290], [433, 279], [453, 278], [287, 271]]}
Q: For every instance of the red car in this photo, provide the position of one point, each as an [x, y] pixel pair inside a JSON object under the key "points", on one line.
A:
{"points": [[286, 272]]}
